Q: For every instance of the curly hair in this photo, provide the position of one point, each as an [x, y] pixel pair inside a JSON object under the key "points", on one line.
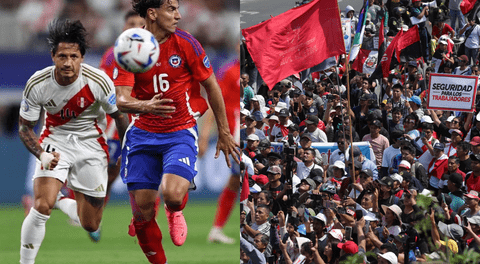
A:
{"points": [[141, 6], [68, 32]]}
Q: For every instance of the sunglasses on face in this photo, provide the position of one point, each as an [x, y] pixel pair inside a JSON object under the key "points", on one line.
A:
{"points": [[410, 121], [455, 122], [340, 143]]}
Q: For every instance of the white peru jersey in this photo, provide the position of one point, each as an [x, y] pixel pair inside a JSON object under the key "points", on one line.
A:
{"points": [[77, 109]]}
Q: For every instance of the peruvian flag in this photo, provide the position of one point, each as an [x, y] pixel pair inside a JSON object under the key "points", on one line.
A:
{"points": [[295, 40], [366, 61], [438, 166], [245, 188]]}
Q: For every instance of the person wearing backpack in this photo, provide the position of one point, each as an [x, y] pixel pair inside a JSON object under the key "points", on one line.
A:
{"points": [[472, 40]]}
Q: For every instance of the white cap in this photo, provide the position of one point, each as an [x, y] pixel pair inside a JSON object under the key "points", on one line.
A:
{"points": [[397, 177], [336, 233], [349, 8], [478, 117], [274, 117], [245, 112], [280, 106], [390, 257], [426, 119], [450, 118], [405, 164], [405, 27], [253, 137], [340, 164], [301, 241], [321, 217]]}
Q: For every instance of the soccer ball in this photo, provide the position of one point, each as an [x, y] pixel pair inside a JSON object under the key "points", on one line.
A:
{"points": [[136, 50]]}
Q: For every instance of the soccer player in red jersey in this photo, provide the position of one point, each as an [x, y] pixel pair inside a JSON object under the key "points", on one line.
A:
{"points": [[161, 146], [107, 64], [229, 80]]}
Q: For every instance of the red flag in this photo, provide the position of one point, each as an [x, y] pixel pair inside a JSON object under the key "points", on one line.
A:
{"points": [[381, 38], [407, 39], [366, 61], [295, 40], [245, 188], [387, 56]]}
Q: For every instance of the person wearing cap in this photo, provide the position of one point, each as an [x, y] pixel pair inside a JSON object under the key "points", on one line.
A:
{"points": [[437, 167], [378, 142], [274, 158], [250, 129], [472, 181], [420, 11], [456, 137], [280, 130], [261, 160], [427, 140], [386, 196], [463, 69], [472, 41], [389, 257], [311, 129], [463, 154], [319, 224], [392, 151], [471, 206], [397, 184], [274, 185], [472, 229], [308, 163], [414, 105], [442, 56], [252, 143], [272, 121], [475, 145], [453, 232], [454, 183], [350, 13]]}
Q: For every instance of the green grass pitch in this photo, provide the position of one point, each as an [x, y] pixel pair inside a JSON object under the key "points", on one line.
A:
{"points": [[64, 243]]}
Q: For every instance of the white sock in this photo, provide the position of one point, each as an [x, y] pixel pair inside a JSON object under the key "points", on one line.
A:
{"points": [[33, 232], [69, 207]]}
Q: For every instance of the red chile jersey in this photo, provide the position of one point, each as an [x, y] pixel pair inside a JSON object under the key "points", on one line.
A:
{"points": [[182, 64], [229, 81]]}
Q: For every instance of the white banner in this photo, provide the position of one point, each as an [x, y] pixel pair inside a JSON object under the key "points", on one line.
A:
{"points": [[452, 92], [347, 33]]}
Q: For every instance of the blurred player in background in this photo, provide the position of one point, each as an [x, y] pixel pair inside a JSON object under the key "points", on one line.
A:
{"points": [[229, 81], [160, 148], [107, 64], [72, 146]]}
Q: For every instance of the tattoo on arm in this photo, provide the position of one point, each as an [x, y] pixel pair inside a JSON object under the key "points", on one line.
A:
{"points": [[28, 136]]}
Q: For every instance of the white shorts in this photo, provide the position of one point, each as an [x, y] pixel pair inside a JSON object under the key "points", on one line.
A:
{"points": [[83, 164]]}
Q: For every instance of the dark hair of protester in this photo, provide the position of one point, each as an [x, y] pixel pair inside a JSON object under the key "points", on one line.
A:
{"points": [[430, 69], [397, 86], [465, 146], [413, 116], [264, 238], [293, 165], [268, 197], [311, 150], [396, 135], [390, 247], [67, 31], [263, 206], [408, 147], [396, 109], [335, 253], [457, 159], [427, 126]]}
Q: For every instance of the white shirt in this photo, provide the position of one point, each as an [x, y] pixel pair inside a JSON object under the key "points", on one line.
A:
{"points": [[248, 164], [317, 136], [472, 42], [303, 171], [77, 109], [388, 155]]}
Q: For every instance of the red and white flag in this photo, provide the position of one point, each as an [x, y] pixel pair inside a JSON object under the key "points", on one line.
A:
{"points": [[366, 61]]}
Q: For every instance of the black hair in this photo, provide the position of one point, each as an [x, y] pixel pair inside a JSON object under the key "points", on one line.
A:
{"points": [[390, 247], [397, 109], [457, 159], [414, 117], [408, 147], [430, 69], [396, 134], [268, 197], [129, 14], [399, 86], [427, 126], [68, 32], [264, 206], [465, 146], [141, 6], [311, 150]]}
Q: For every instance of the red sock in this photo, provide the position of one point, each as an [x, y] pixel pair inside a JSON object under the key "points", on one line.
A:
{"points": [[179, 208], [226, 202], [150, 240]]}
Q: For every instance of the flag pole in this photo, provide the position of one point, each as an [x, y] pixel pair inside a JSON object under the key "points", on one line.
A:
{"points": [[350, 128]]}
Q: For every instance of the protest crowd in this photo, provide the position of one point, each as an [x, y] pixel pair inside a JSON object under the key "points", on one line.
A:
{"points": [[354, 161]]}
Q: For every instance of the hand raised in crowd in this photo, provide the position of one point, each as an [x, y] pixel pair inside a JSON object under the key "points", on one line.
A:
{"points": [[281, 218], [360, 224], [349, 202], [293, 209], [250, 205], [385, 232]]}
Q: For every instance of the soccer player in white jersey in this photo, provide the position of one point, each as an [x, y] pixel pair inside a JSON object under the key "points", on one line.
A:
{"points": [[72, 146]]}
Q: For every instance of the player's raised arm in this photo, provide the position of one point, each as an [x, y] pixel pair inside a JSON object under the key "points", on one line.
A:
{"points": [[127, 104], [226, 142]]}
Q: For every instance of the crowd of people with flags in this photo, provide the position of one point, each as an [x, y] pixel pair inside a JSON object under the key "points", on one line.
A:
{"points": [[311, 191]]}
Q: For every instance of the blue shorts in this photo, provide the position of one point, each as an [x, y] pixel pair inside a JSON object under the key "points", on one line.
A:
{"points": [[147, 156], [114, 149]]}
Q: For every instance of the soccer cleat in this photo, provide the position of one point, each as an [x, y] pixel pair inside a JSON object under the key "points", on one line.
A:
{"points": [[96, 235], [217, 236], [177, 226]]}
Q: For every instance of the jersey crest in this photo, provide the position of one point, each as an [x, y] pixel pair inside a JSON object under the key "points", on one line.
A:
{"points": [[175, 61]]}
